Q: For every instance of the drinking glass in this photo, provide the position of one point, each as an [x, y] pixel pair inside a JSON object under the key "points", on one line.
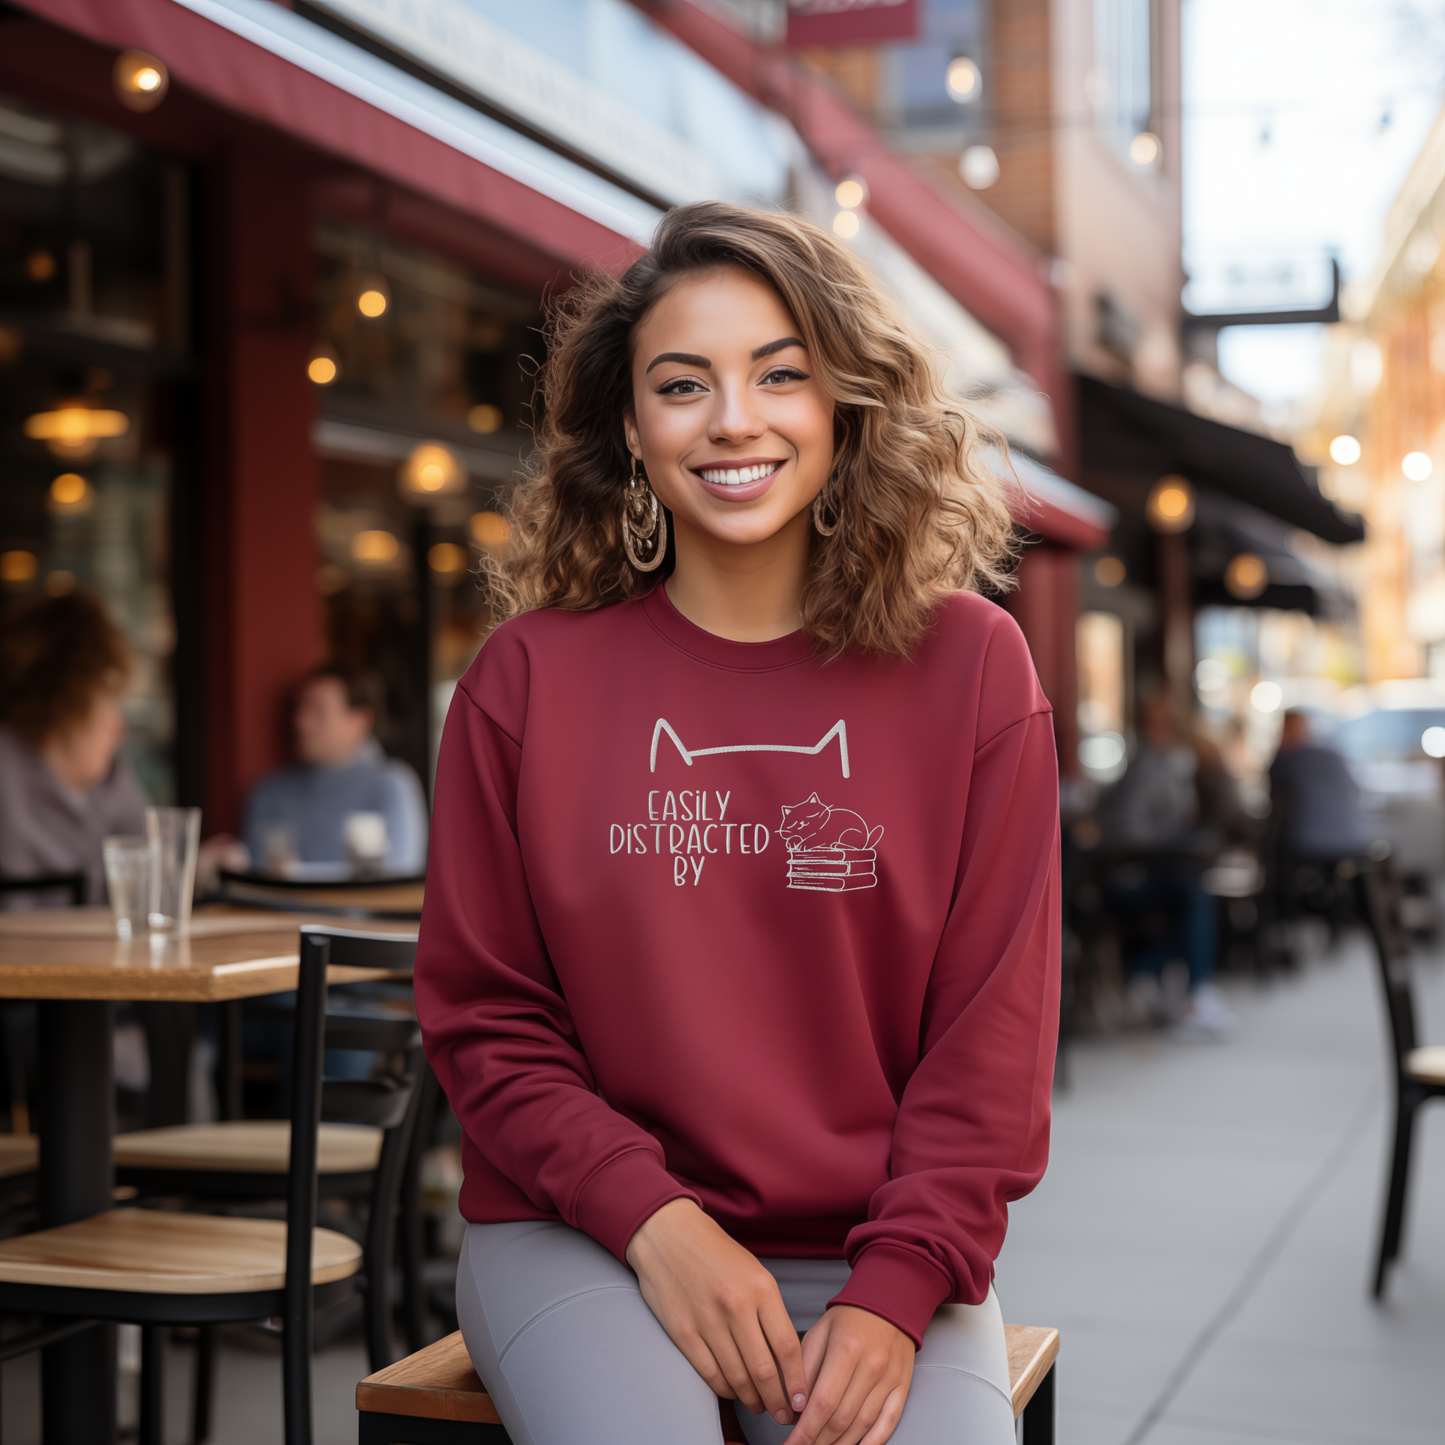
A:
{"points": [[128, 869], [175, 837]]}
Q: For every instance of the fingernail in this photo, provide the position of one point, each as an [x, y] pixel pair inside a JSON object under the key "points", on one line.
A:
{"points": [[782, 1416], [799, 1401]]}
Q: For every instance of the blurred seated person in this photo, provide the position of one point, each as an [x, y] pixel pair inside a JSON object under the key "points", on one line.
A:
{"points": [[1221, 809], [1315, 820], [300, 813], [1149, 822], [1314, 800], [64, 783]]}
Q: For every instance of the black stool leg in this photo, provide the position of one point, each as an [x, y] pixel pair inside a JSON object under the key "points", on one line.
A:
{"points": [[205, 1373], [152, 1384], [1395, 1197], [1038, 1414]]}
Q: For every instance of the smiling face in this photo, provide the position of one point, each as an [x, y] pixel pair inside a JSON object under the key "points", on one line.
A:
{"points": [[728, 419]]}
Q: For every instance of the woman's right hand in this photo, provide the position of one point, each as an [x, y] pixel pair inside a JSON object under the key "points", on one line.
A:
{"points": [[721, 1308]]}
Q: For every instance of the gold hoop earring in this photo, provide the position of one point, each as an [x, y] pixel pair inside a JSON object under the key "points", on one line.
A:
{"points": [[644, 523], [825, 529]]}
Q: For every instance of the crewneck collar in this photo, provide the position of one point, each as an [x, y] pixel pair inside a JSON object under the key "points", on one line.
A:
{"points": [[717, 651]]}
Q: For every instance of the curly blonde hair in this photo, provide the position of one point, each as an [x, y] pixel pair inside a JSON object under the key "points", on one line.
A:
{"points": [[918, 518]]}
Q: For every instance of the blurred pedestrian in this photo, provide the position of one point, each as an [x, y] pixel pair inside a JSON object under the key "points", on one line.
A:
{"points": [[303, 812], [1150, 823], [1315, 820], [1314, 799], [64, 782], [1221, 809]]}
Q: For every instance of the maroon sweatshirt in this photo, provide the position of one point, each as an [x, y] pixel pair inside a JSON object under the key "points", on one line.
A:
{"points": [[721, 921]]}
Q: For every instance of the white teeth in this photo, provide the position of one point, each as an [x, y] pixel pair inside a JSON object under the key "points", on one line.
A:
{"points": [[738, 476]]}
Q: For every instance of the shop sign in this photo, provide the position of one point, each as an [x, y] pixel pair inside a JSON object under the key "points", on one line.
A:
{"points": [[455, 42], [851, 22]]}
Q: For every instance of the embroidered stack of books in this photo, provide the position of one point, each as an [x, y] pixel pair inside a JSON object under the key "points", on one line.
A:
{"points": [[832, 870]]}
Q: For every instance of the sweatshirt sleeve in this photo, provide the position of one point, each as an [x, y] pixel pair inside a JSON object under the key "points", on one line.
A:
{"points": [[973, 1124], [496, 1026]]}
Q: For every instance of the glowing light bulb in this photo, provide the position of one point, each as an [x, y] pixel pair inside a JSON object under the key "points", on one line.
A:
{"points": [[979, 167], [1246, 576], [1170, 505], [1145, 149], [1417, 466], [964, 80], [1344, 450], [375, 546], [140, 80]]}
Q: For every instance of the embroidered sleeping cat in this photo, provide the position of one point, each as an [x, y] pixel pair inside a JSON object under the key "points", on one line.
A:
{"points": [[813, 824]]}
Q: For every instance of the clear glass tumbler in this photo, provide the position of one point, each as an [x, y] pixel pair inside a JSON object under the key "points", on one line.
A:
{"points": [[175, 835], [128, 869]]}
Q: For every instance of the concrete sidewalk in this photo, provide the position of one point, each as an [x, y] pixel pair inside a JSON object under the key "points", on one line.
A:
{"points": [[1204, 1239], [1205, 1234]]}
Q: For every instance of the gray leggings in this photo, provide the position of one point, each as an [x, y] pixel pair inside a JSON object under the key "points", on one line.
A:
{"points": [[571, 1354]]}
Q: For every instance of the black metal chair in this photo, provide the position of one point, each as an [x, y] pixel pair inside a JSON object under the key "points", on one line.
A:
{"points": [[363, 1152], [1419, 1070], [161, 1269]]}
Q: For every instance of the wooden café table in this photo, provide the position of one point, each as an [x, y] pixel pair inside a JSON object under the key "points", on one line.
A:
{"points": [[69, 960]]}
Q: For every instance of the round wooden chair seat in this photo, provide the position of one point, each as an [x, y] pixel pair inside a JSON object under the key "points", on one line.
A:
{"points": [[144, 1251], [1427, 1064], [19, 1154], [246, 1146]]}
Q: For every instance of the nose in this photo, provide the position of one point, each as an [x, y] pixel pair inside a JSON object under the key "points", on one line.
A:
{"points": [[734, 417]]}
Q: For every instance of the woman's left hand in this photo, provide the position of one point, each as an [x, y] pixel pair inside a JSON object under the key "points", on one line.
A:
{"points": [[858, 1368]]}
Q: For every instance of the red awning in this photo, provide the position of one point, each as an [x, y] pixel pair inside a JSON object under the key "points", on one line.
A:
{"points": [[249, 78], [1044, 503]]}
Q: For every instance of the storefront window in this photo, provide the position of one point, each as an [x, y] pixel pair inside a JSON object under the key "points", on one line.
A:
{"points": [[1120, 82], [425, 364], [93, 337]]}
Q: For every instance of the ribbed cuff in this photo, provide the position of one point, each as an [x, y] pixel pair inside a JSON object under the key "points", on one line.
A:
{"points": [[897, 1284], [615, 1201]]}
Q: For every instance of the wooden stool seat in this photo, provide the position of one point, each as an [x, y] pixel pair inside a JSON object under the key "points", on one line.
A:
{"points": [[145, 1251], [1427, 1064], [19, 1154], [438, 1384], [245, 1146]]}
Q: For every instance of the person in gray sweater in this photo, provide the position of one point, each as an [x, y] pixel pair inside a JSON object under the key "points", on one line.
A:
{"points": [[1150, 825], [64, 782]]}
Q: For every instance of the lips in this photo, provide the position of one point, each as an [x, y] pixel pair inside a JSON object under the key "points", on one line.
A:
{"points": [[740, 479], [737, 475]]}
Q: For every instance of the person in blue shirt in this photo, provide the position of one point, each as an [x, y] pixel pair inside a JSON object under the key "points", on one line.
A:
{"points": [[307, 813], [1314, 799]]}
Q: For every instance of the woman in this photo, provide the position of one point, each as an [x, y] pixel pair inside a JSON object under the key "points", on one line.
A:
{"points": [[64, 784], [739, 956]]}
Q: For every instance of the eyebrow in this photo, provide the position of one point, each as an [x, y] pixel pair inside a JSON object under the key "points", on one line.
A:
{"points": [[687, 358], [781, 344]]}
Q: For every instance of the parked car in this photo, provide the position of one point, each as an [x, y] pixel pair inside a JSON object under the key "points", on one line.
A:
{"points": [[1395, 749]]}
